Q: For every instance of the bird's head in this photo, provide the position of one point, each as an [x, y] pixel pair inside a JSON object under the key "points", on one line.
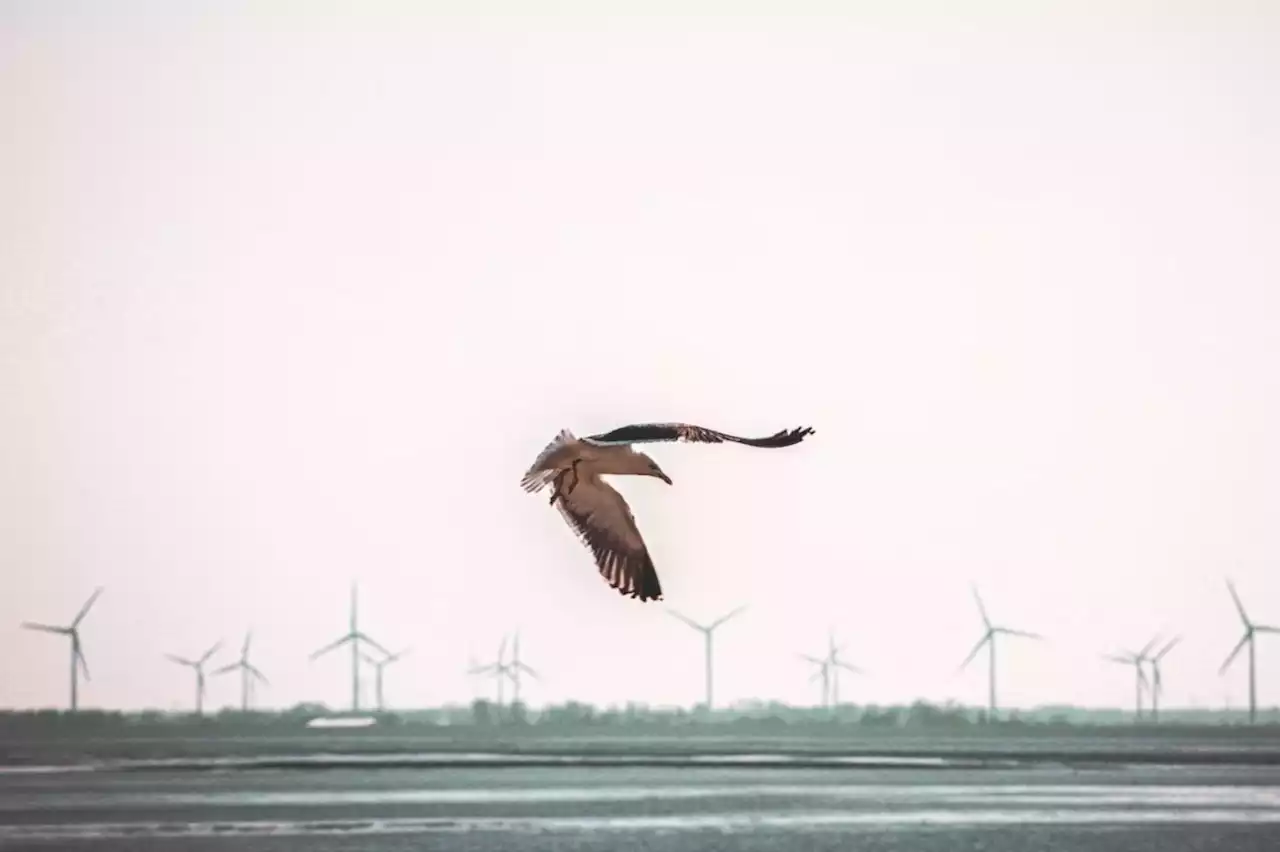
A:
{"points": [[649, 467]]}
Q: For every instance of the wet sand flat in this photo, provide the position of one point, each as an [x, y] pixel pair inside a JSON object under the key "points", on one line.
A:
{"points": [[675, 807]]}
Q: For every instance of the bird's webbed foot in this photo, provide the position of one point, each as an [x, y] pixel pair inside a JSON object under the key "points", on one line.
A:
{"points": [[558, 485]]}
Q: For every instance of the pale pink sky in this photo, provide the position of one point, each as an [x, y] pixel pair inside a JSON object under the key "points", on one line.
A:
{"points": [[289, 301]]}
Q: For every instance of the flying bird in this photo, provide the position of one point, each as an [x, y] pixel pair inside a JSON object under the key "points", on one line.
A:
{"points": [[598, 514]]}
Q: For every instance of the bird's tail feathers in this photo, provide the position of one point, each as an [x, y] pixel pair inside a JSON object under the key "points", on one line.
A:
{"points": [[539, 476]]}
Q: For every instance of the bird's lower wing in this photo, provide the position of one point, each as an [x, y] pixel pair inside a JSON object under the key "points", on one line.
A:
{"points": [[649, 432], [603, 521]]}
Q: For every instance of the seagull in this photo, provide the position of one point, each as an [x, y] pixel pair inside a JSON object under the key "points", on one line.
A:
{"points": [[598, 514]]}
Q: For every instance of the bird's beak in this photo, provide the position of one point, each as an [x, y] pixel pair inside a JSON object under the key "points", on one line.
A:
{"points": [[664, 477]]}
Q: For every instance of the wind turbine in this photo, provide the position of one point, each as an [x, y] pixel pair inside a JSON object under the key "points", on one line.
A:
{"points": [[78, 663], [833, 657], [989, 639], [829, 670], [1156, 685], [499, 670], [707, 630], [198, 665], [378, 666], [355, 637], [516, 667], [248, 672], [1250, 631], [1128, 658], [824, 672]]}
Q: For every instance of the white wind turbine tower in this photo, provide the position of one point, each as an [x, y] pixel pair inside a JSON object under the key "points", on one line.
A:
{"points": [[1250, 632], [354, 637], [248, 673], [707, 631], [989, 639], [1156, 685], [378, 666], [198, 665], [78, 664]]}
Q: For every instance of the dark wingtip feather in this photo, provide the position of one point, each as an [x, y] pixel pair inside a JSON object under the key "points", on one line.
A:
{"points": [[650, 589], [785, 438]]}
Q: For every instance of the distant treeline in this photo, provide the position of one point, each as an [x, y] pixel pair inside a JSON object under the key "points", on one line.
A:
{"points": [[757, 718]]}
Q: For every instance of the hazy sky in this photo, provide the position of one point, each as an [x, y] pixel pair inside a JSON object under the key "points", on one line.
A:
{"points": [[292, 300]]}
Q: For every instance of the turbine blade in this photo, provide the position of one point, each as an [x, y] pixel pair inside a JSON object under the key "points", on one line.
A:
{"points": [[502, 649], [1115, 658], [84, 664], [1023, 633], [338, 643], [182, 661], [529, 671], [47, 628], [230, 667], [1231, 587], [986, 637], [722, 619], [84, 610], [850, 668], [1146, 649], [813, 660], [1233, 653], [1166, 649], [695, 625], [370, 660], [981, 609], [209, 653], [253, 670], [1262, 628], [244, 649]]}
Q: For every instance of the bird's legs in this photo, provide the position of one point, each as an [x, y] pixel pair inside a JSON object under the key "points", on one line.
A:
{"points": [[557, 489]]}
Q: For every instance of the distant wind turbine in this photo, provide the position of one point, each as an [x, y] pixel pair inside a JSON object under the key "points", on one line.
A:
{"points": [[378, 673], [78, 663], [707, 631], [198, 665], [516, 667], [1250, 631], [829, 670], [823, 672], [1128, 658], [355, 637], [248, 672], [1156, 685], [989, 639], [499, 670]]}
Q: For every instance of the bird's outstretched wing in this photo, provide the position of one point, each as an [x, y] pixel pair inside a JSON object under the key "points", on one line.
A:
{"points": [[647, 432], [603, 521]]}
